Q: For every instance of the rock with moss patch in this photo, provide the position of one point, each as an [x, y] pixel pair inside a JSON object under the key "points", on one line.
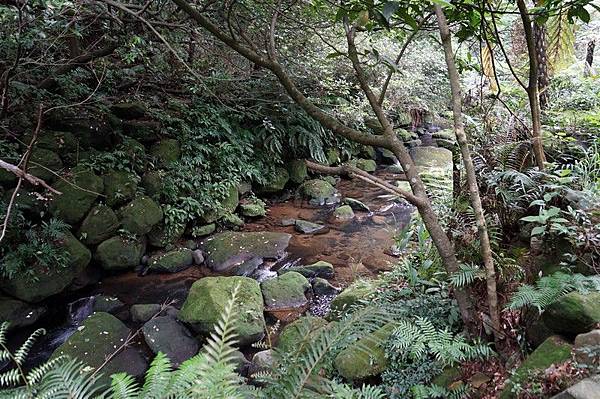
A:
{"points": [[368, 165], [98, 337], [166, 151], [118, 253], [275, 182], [160, 236], [285, 291], [167, 335], [129, 110], [553, 350], [108, 304], [171, 262], [333, 156], [233, 221], [140, 215], [43, 282], [99, 225], [205, 230], [343, 213], [19, 313], [152, 183], [142, 312], [243, 252], [324, 287], [292, 335], [318, 269], [356, 204], [206, 301], [351, 296], [318, 192], [119, 187], [78, 197], [254, 208], [573, 313], [231, 200], [45, 164], [297, 170], [366, 357], [25, 201], [145, 131], [61, 143]]}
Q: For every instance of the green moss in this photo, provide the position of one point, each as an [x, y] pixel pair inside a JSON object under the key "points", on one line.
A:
{"points": [[275, 182], [152, 183], [171, 262], [77, 198], [208, 297], [118, 254], [317, 269], [368, 165], [140, 215], [297, 170], [166, 152], [100, 224], [43, 163], [343, 212], [573, 313], [161, 237], [120, 187], [293, 335], [350, 296], [317, 189], [285, 291]]}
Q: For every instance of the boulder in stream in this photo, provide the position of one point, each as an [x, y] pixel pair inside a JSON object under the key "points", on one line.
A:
{"points": [[243, 252], [343, 213], [318, 269], [356, 204], [20, 314], [165, 334], [306, 227], [206, 301], [318, 192], [140, 215], [171, 262], [286, 291], [142, 312], [118, 253]]}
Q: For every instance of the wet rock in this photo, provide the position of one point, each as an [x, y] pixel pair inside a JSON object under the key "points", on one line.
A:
{"points": [[285, 291], [356, 204], [166, 151], [165, 334], [208, 297], [162, 237], [198, 256], [368, 165], [297, 170], [343, 213], [306, 227], [554, 350], [573, 313], [171, 262], [351, 296], [20, 314], [77, 198], [333, 180], [318, 269], [324, 287], [232, 220], [274, 182], [142, 312], [129, 110], [98, 337], [262, 361], [42, 283], [585, 389], [256, 208], [43, 162], [117, 253], [243, 252], [365, 358], [119, 187], [318, 192], [99, 225], [140, 215], [108, 304], [587, 348], [201, 231], [294, 335], [288, 222]]}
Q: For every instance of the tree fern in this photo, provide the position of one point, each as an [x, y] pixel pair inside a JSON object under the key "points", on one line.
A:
{"points": [[561, 41]]}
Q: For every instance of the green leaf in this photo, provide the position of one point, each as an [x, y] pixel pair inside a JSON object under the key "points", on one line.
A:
{"points": [[538, 230]]}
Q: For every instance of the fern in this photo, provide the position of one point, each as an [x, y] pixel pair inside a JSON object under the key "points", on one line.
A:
{"points": [[466, 275], [561, 41]]}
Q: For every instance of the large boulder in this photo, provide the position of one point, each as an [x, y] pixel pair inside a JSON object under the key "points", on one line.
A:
{"points": [[43, 163], [298, 332], [119, 187], [152, 183], [140, 215], [553, 350], [366, 357], [588, 388], [42, 282], [171, 262], [118, 253], [166, 151], [100, 224], [19, 313], [243, 252], [160, 236], [99, 336], [285, 291], [165, 334], [145, 131], [573, 313], [586, 348], [78, 197], [206, 301], [318, 192], [275, 182], [351, 296], [297, 170], [142, 312]]}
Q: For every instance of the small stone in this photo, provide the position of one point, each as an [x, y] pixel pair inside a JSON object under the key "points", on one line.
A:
{"points": [[343, 213], [356, 204], [306, 227], [198, 257], [288, 222], [324, 287], [262, 361]]}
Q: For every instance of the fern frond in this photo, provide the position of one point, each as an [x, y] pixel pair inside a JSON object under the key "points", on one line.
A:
{"points": [[123, 386], [157, 378], [68, 381], [21, 354]]}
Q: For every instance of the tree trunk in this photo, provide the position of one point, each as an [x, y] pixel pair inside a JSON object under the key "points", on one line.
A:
{"points": [[486, 250], [589, 57], [540, 35], [532, 87]]}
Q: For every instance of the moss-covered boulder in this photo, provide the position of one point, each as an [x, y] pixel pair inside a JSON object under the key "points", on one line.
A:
{"points": [[145, 131], [368, 165], [352, 295], [166, 152], [78, 197], [43, 162], [343, 213], [171, 262], [208, 297], [129, 110], [140, 215], [100, 224], [119, 187], [152, 183], [231, 200], [98, 337], [292, 335], [61, 143], [142, 312], [573, 313], [297, 170], [242, 252], [333, 156], [318, 192], [118, 253], [254, 208], [136, 153], [317, 269], [366, 357], [275, 182], [167, 335], [19, 313], [162, 237], [26, 201], [553, 350], [42, 282], [285, 291], [204, 230]]}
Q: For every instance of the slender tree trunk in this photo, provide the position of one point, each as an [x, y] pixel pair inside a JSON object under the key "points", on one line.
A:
{"points": [[532, 87], [540, 36], [486, 250], [589, 57]]}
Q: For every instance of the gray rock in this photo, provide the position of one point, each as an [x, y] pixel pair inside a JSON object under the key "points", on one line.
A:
{"points": [[585, 389], [318, 269], [141, 313], [262, 361], [165, 334], [288, 222], [587, 348], [108, 304], [324, 287], [306, 227], [198, 257], [356, 204]]}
